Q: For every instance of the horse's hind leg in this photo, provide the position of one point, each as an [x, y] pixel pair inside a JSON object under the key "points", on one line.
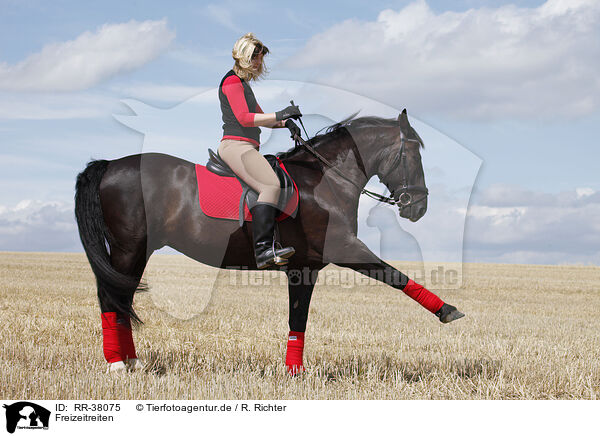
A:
{"points": [[119, 348]]}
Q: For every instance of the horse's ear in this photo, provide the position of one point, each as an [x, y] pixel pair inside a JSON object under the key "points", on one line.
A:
{"points": [[403, 120]]}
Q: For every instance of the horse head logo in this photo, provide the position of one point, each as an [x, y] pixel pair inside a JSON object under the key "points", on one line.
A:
{"points": [[26, 415]]}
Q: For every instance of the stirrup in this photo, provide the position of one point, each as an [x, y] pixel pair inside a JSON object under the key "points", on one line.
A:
{"points": [[277, 259], [268, 262], [281, 260]]}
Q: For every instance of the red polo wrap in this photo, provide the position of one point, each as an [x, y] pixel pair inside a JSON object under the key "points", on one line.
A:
{"points": [[118, 339], [428, 300], [293, 357]]}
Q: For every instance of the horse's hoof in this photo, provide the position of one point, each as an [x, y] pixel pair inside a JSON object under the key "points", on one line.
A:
{"points": [[449, 313], [117, 367], [135, 364], [454, 315]]}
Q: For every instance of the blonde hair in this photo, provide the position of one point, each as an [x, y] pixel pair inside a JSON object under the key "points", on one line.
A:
{"points": [[242, 52]]}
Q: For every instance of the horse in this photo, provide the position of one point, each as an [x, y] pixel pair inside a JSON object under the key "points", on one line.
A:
{"points": [[130, 207]]}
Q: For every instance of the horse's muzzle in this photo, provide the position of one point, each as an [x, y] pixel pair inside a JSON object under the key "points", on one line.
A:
{"points": [[415, 211]]}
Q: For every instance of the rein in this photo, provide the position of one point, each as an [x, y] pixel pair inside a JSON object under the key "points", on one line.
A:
{"points": [[405, 198]]}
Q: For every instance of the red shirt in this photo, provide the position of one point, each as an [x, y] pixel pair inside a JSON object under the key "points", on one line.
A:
{"points": [[238, 106]]}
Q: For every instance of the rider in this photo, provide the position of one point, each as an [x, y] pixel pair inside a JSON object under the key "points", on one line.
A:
{"points": [[240, 143]]}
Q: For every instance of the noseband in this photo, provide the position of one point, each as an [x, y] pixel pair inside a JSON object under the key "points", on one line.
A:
{"points": [[405, 198]]}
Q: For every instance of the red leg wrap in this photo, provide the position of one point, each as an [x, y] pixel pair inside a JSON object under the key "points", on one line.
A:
{"points": [[295, 348], [427, 299], [118, 340]]}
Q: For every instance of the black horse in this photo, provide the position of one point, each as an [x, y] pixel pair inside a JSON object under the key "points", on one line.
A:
{"points": [[130, 207]]}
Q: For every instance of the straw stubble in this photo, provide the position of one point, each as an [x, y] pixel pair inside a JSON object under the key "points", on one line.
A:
{"points": [[531, 332]]}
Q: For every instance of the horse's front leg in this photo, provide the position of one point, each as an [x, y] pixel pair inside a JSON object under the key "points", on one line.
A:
{"points": [[301, 283], [367, 263]]}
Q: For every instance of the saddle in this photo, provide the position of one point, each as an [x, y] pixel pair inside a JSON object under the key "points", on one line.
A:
{"points": [[214, 200]]}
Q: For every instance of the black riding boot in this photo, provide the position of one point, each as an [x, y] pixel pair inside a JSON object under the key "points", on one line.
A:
{"points": [[263, 229]]}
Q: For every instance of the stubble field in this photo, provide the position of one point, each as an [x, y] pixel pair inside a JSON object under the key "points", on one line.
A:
{"points": [[531, 332]]}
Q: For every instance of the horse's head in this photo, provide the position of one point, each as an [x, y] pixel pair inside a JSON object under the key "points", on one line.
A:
{"points": [[387, 147], [402, 171]]}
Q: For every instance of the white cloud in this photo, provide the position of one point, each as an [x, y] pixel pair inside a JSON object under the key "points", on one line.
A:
{"points": [[38, 226], [88, 59], [584, 192], [480, 63], [550, 228], [501, 227]]}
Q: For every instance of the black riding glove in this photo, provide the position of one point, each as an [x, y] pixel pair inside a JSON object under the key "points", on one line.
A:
{"points": [[289, 112], [294, 129]]}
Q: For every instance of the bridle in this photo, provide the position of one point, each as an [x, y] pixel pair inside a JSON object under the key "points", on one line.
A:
{"points": [[405, 198]]}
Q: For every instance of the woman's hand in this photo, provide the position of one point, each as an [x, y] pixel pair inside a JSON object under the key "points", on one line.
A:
{"points": [[273, 121], [292, 111], [294, 129]]}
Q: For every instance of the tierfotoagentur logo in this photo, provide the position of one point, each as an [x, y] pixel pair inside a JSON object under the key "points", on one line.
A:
{"points": [[429, 250], [26, 415]]}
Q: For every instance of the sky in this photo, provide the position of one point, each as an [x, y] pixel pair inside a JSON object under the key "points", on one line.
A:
{"points": [[505, 95]]}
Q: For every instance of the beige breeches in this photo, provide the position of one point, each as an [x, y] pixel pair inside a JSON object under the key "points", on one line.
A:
{"points": [[245, 160]]}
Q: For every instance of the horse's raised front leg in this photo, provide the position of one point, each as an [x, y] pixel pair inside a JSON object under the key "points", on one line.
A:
{"points": [[301, 283], [367, 263]]}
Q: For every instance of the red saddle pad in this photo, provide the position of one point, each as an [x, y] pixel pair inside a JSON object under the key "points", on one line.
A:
{"points": [[220, 196]]}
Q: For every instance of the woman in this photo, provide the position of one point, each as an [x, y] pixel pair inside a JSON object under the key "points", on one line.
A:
{"points": [[241, 140]]}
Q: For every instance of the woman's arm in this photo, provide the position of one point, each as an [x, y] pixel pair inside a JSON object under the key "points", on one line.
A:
{"points": [[267, 120], [234, 91]]}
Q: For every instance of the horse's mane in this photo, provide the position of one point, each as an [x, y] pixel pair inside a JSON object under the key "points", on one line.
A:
{"points": [[338, 129]]}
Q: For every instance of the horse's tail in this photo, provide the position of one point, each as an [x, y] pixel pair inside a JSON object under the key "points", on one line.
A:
{"points": [[114, 288]]}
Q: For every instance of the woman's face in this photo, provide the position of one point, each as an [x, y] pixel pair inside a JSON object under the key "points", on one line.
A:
{"points": [[257, 61]]}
